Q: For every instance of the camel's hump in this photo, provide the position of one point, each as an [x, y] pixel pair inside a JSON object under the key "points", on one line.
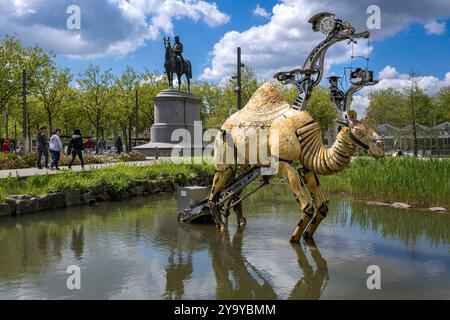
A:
{"points": [[264, 106], [266, 99]]}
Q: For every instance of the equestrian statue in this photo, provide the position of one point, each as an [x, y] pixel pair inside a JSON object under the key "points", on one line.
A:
{"points": [[293, 136], [175, 63]]}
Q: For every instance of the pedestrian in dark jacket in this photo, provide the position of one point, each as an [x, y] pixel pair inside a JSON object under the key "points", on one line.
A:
{"points": [[42, 147], [119, 146], [76, 148]]}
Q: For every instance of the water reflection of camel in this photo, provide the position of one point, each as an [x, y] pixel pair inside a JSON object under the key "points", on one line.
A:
{"points": [[236, 278], [311, 285]]}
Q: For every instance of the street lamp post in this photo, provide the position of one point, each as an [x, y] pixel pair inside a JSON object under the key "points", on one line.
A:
{"points": [[7, 121], [24, 111], [136, 109], [238, 77]]}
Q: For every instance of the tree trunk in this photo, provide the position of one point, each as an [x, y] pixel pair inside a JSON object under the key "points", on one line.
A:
{"points": [[124, 134], [97, 132], [415, 141], [130, 129], [50, 124]]}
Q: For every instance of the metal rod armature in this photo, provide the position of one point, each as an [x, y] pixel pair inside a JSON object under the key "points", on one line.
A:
{"points": [[311, 73]]}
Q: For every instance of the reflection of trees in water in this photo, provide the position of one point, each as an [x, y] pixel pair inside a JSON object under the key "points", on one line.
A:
{"points": [[406, 225], [77, 243], [179, 269], [236, 278], [31, 244]]}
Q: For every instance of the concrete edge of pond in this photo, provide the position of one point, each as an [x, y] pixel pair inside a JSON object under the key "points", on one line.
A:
{"points": [[16, 205]]}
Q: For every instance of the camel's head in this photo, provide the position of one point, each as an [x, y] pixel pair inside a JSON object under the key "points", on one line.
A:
{"points": [[365, 134]]}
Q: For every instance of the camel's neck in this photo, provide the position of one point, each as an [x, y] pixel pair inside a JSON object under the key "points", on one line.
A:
{"points": [[320, 159]]}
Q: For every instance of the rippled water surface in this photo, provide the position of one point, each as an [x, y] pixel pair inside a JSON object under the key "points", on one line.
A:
{"points": [[137, 250]]}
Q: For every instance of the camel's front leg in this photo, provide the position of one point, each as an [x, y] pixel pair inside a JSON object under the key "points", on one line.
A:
{"points": [[303, 198], [320, 202], [223, 174]]}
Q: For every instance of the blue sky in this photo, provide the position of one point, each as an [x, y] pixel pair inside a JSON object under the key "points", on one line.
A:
{"points": [[198, 40], [414, 35]]}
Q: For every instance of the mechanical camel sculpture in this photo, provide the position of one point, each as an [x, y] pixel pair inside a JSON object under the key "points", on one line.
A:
{"points": [[292, 135]]}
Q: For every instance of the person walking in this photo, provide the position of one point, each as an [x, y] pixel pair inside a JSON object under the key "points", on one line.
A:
{"points": [[42, 147], [76, 148], [101, 146], [119, 146], [89, 146], [5, 146], [56, 148]]}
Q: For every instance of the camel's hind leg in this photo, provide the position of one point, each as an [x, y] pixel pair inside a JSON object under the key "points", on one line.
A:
{"points": [[320, 202], [238, 208], [221, 178], [303, 198]]}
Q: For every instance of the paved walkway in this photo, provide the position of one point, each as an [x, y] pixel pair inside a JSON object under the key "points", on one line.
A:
{"points": [[24, 173]]}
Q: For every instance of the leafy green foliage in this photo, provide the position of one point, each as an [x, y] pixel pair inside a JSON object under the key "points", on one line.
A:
{"points": [[402, 108]]}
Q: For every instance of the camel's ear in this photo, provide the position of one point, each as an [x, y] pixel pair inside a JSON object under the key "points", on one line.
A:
{"points": [[352, 115]]}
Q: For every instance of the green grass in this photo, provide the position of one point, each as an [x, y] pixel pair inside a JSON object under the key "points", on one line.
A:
{"points": [[419, 182], [116, 178]]}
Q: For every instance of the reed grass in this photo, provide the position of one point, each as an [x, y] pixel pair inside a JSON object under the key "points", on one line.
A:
{"points": [[418, 182]]}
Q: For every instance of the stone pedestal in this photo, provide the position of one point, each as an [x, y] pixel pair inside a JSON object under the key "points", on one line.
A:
{"points": [[174, 110]]}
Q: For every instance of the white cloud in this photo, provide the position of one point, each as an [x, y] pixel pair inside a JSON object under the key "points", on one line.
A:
{"points": [[261, 12], [388, 73], [286, 39], [391, 78], [435, 28], [109, 27]]}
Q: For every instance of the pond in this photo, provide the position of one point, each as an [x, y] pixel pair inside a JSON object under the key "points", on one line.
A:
{"points": [[137, 250]]}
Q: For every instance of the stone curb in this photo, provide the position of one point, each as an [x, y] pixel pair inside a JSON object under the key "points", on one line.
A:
{"points": [[22, 204]]}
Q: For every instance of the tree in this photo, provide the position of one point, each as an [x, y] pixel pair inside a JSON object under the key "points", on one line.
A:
{"points": [[14, 58], [72, 113], [418, 109], [124, 102], [386, 106], [11, 65], [319, 105], [95, 89], [322, 109], [442, 105], [51, 87]]}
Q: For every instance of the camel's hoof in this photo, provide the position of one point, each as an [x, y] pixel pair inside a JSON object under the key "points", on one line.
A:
{"points": [[221, 227], [242, 223]]}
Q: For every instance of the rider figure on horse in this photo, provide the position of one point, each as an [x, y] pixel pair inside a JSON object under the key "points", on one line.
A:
{"points": [[178, 51]]}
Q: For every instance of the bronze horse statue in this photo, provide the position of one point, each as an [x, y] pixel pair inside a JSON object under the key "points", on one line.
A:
{"points": [[174, 64]]}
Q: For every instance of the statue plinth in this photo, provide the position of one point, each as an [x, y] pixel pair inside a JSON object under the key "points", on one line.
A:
{"points": [[174, 110]]}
